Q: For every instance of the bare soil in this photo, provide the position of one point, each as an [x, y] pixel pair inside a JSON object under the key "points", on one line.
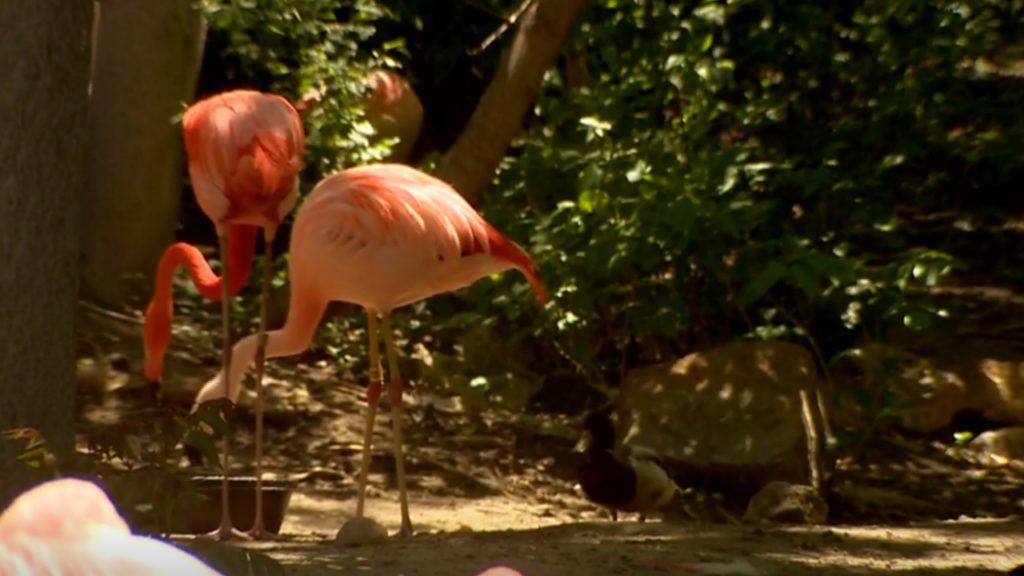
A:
{"points": [[498, 489]]}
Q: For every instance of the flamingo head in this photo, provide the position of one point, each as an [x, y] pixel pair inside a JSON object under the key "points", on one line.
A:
{"points": [[156, 339]]}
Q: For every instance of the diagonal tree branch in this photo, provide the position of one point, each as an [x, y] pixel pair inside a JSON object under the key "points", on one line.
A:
{"points": [[469, 165]]}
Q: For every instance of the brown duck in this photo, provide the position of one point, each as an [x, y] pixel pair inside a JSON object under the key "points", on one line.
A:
{"points": [[622, 478]]}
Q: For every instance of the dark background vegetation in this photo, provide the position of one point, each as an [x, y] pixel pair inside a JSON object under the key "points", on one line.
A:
{"points": [[693, 173]]}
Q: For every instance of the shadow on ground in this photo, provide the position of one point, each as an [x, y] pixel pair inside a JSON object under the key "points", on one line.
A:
{"points": [[597, 548]]}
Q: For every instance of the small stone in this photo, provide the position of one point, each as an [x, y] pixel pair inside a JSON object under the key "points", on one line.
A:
{"points": [[361, 531], [999, 447], [786, 503]]}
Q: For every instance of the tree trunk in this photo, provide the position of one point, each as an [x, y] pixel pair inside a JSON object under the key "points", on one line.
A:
{"points": [[146, 68], [471, 162], [44, 78]]}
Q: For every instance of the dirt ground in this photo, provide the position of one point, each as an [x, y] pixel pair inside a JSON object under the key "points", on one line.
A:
{"points": [[500, 490]]}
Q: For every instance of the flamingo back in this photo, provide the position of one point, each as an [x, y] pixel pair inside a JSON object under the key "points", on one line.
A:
{"points": [[387, 235], [68, 527], [59, 509], [245, 152]]}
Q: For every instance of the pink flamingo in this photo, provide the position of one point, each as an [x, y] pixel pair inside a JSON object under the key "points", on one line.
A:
{"points": [[392, 108], [395, 111], [69, 527], [160, 312], [380, 236], [245, 151]]}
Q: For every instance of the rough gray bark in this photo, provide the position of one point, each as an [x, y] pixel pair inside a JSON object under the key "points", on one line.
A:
{"points": [[147, 63], [469, 165], [44, 77]]}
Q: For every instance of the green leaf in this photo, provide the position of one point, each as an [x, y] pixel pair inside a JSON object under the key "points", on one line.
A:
{"points": [[637, 172], [706, 42], [204, 444], [590, 177], [806, 278], [764, 282], [598, 126]]}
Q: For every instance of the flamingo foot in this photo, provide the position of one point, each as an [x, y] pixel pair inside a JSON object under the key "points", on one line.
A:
{"points": [[155, 395], [226, 532], [406, 530], [259, 531]]}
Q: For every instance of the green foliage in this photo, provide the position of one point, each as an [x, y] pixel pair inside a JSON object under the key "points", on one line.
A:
{"points": [[34, 452], [731, 167], [138, 463]]}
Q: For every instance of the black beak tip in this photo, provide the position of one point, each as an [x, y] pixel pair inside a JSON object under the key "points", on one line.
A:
{"points": [[153, 387]]}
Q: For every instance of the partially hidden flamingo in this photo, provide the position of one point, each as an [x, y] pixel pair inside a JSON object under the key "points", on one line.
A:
{"points": [[391, 106], [244, 152], [380, 236], [69, 527], [395, 111]]}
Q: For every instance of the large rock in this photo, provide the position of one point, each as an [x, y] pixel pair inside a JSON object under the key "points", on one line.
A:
{"points": [[729, 419], [999, 447], [995, 388], [925, 394], [920, 396], [781, 502]]}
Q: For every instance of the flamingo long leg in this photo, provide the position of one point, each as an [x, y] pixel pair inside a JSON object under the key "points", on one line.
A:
{"points": [[396, 420], [258, 531], [372, 397], [226, 530]]}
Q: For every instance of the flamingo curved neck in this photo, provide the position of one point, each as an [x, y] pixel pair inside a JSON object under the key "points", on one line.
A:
{"points": [[504, 249], [304, 314], [160, 312]]}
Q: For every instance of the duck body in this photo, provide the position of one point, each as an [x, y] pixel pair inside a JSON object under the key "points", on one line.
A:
{"points": [[622, 478]]}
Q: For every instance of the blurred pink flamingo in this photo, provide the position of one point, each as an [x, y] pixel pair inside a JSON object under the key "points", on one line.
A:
{"points": [[69, 527]]}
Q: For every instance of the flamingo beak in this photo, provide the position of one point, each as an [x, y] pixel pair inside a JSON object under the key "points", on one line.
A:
{"points": [[154, 393]]}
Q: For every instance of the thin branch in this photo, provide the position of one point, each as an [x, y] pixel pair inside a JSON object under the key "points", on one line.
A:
{"points": [[505, 25], [469, 165], [813, 456], [815, 462], [110, 313], [822, 406]]}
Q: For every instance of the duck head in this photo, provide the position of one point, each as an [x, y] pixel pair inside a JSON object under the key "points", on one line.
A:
{"points": [[598, 433]]}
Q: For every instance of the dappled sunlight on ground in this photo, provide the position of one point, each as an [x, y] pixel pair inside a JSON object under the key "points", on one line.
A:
{"points": [[499, 488], [599, 547]]}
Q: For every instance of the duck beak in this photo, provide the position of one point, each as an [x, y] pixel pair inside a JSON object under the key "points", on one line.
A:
{"points": [[586, 439]]}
